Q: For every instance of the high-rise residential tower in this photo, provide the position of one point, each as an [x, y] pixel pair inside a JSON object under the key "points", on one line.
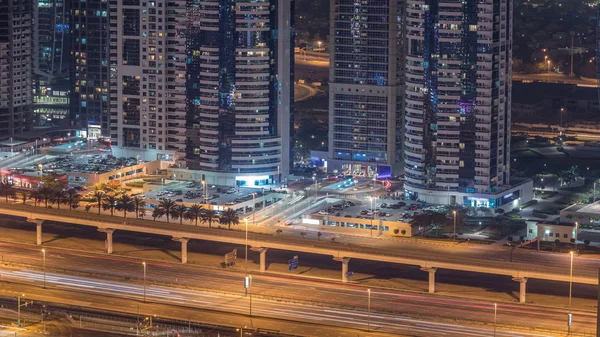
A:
{"points": [[365, 87], [457, 103], [15, 66], [89, 94], [51, 61], [239, 127], [147, 78]]}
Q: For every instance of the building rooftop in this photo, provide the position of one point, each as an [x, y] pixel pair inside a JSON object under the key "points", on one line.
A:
{"points": [[593, 208]]}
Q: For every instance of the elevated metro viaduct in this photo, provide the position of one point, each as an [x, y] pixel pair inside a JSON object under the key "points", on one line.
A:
{"points": [[519, 272]]}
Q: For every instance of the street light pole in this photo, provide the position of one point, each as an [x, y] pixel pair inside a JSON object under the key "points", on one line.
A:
{"points": [[454, 236], [569, 317], [495, 315], [44, 259], [253, 207], [372, 215], [144, 264], [576, 230], [369, 310], [246, 255]]}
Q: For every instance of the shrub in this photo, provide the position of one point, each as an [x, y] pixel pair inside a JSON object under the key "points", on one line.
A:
{"points": [[396, 231], [403, 232]]}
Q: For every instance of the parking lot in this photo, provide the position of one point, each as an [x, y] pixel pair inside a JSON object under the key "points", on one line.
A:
{"points": [[86, 163], [384, 209], [190, 192]]}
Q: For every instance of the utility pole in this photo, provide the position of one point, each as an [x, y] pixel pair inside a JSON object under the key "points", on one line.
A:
{"points": [[19, 305], [598, 308], [572, 74]]}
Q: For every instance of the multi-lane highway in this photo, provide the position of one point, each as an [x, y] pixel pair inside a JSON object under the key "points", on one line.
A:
{"points": [[280, 296]]}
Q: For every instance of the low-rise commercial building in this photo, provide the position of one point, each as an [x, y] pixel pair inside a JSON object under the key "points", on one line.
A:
{"points": [[551, 231]]}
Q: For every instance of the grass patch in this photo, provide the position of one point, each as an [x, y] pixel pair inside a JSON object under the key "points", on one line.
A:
{"points": [[138, 184]]}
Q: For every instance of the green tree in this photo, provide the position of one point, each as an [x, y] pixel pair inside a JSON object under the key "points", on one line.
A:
{"points": [[179, 212], [7, 190], [36, 196], [194, 212], [24, 196], [208, 216], [167, 206], [60, 196], [229, 217], [110, 203], [73, 197], [54, 181], [125, 204], [158, 213], [45, 194], [139, 205], [99, 198]]}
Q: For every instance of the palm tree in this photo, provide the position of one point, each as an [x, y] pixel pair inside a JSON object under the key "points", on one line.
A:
{"points": [[208, 215], [110, 202], [60, 196], [99, 197], [36, 196], [194, 212], [73, 197], [7, 189], [139, 205], [167, 206], [229, 217], [158, 213], [179, 212], [45, 193], [25, 196], [125, 203]]}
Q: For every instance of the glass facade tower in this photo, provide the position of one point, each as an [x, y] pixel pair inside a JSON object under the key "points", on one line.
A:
{"points": [[240, 72], [457, 97], [365, 86], [15, 66]]}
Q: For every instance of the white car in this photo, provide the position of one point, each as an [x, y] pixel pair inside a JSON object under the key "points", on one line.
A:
{"points": [[323, 212]]}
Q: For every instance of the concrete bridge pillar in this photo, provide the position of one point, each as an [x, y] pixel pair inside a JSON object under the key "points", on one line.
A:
{"points": [[184, 250], [263, 259], [109, 238], [38, 228], [345, 262], [431, 271], [522, 288]]}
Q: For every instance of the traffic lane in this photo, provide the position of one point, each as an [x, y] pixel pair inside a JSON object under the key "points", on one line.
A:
{"points": [[108, 302], [333, 293], [241, 305]]}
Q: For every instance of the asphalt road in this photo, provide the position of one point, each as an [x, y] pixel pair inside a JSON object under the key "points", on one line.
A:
{"points": [[282, 297], [396, 324]]}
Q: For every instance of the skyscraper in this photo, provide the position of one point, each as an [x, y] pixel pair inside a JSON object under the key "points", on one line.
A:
{"points": [[15, 66], [365, 87], [51, 61], [457, 103], [239, 127], [89, 103], [147, 78]]}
